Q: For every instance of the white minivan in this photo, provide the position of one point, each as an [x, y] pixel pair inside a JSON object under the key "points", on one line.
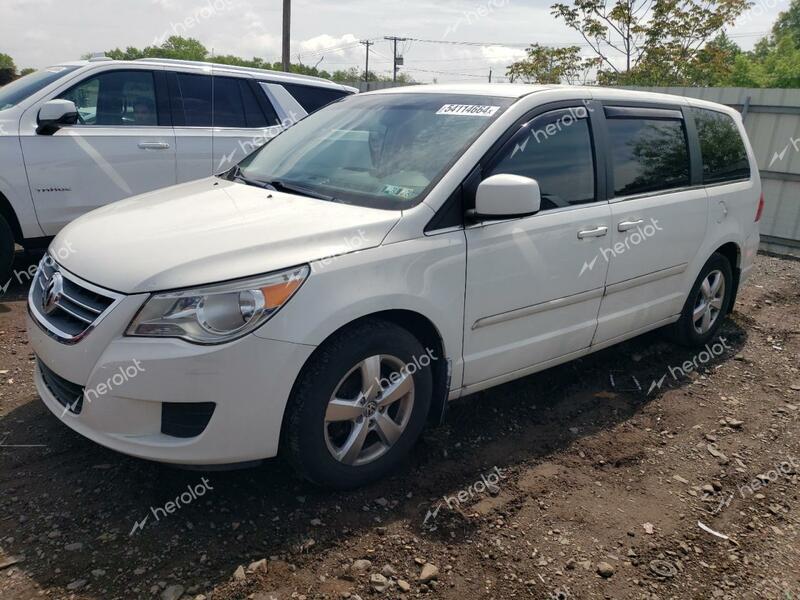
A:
{"points": [[79, 135], [326, 297]]}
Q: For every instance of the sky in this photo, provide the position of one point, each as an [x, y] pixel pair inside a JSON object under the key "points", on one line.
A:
{"points": [[465, 38]]}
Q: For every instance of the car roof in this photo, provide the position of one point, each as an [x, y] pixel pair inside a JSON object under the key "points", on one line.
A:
{"points": [[504, 90], [275, 76], [518, 90]]}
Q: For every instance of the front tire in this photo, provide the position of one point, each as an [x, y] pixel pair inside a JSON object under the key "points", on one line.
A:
{"points": [[707, 304], [359, 405], [6, 252]]}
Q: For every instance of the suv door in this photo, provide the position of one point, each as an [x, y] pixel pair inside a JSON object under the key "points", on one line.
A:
{"points": [[123, 145], [534, 284], [192, 103], [659, 214]]}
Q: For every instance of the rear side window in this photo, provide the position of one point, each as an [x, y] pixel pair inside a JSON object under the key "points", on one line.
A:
{"points": [[648, 154], [253, 113], [313, 98], [228, 103], [196, 97], [724, 153], [555, 149]]}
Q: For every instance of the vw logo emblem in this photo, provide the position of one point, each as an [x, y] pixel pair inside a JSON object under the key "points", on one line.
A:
{"points": [[52, 293]]}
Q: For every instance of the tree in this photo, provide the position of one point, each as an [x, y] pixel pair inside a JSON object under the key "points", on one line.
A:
{"points": [[181, 48], [788, 23], [775, 59], [8, 70], [637, 39], [550, 65]]}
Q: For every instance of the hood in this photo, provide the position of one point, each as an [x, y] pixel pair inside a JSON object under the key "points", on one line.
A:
{"points": [[9, 122], [208, 231]]}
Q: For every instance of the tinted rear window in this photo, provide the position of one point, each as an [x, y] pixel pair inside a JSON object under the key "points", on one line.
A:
{"points": [[228, 104], [313, 98], [648, 154], [196, 96], [724, 153]]}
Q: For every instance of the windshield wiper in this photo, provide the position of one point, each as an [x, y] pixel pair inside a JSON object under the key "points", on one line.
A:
{"points": [[236, 174], [277, 185], [292, 188]]}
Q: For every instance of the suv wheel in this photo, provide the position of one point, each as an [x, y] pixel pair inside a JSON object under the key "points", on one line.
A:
{"points": [[707, 304], [6, 252], [359, 405]]}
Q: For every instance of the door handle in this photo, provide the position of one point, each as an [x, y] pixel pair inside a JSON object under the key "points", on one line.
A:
{"points": [[153, 145], [626, 225], [596, 232]]}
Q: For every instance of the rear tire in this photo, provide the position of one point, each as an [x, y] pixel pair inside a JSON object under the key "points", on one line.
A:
{"points": [[349, 421], [707, 304], [6, 251]]}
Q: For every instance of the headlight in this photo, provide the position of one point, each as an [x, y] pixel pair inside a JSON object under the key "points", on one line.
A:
{"points": [[218, 313]]}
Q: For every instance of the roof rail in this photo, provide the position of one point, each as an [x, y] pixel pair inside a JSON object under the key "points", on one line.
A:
{"points": [[238, 68]]}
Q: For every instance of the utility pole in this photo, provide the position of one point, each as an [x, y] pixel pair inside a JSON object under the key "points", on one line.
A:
{"points": [[287, 21], [394, 55], [367, 43]]}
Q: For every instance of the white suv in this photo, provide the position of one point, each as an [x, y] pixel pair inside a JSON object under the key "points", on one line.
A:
{"points": [[327, 296], [80, 135]]}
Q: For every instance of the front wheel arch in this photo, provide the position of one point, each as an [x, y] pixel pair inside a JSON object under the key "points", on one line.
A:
{"points": [[422, 328]]}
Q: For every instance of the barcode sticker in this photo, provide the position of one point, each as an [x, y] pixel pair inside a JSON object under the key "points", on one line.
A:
{"points": [[468, 110]]}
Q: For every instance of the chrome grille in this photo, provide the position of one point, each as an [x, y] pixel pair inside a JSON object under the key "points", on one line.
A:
{"points": [[65, 306]]}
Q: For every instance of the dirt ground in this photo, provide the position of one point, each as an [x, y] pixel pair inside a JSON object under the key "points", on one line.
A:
{"points": [[573, 483]]}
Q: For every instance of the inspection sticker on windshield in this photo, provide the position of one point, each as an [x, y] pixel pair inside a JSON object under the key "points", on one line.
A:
{"points": [[468, 110], [399, 191]]}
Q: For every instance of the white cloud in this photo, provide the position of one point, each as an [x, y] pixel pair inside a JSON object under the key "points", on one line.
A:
{"points": [[502, 54]]}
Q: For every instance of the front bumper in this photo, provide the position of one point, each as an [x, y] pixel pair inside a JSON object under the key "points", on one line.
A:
{"points": [[126, 381]]}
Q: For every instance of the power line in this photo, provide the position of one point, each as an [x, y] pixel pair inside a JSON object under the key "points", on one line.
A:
{"points": [[526, 44]]}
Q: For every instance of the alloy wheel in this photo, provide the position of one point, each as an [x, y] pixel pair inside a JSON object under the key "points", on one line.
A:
{"points": [[369, 410], [709, 302]]}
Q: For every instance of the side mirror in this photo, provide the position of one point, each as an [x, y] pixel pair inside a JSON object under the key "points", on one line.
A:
{"points": [[506, 196], [54, 114]]}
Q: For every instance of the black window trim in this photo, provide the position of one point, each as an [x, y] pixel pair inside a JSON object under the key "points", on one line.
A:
{"points": [[448, 217], [637, 109], [158, 90]]}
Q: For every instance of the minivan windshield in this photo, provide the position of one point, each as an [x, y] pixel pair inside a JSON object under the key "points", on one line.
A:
{"points": [[381, 151], [15, 92]]}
